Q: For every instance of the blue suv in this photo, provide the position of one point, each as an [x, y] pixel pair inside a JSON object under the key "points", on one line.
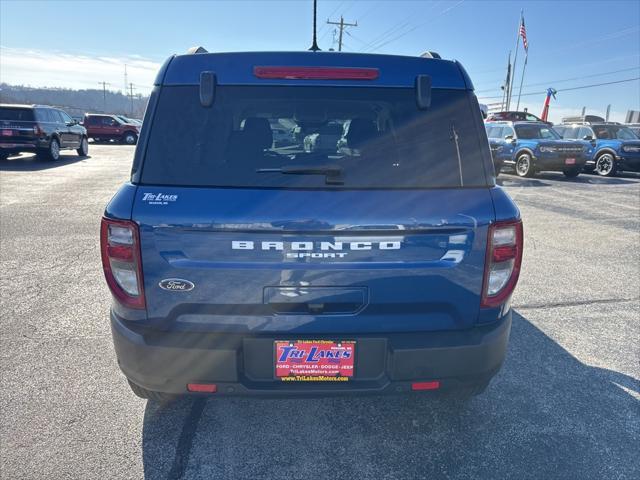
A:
{"points": [[615, 147], [530, 147], [242, 266]]}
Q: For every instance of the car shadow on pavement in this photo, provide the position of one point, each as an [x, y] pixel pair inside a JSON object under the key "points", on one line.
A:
{"points": [[543, 179], [588, 178], [514, 181], [31, 163], [546, 415]]}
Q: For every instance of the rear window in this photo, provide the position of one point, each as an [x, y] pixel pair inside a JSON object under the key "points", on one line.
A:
{"points": [[530, 132], [16, 114], [367, 138]]}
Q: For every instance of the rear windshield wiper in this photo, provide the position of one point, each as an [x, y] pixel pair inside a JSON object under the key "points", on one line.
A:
{"points": [[332, 173]]}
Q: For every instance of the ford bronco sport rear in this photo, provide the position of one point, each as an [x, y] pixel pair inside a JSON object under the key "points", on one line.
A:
{"points": [[240, 266]]}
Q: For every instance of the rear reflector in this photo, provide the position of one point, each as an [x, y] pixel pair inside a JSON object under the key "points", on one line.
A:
{"points": [[316, 73], [202, 387], [425, 385]]}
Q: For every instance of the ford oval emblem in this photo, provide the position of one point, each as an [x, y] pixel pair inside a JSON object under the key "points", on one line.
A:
{"points": [[176, 284]]}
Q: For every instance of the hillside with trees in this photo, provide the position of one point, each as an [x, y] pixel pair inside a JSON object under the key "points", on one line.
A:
{"points": [[76, 102]]}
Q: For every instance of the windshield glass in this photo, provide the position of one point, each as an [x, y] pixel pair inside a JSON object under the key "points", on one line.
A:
{"points": [[376, 137], [529, 132], [616, 132]]}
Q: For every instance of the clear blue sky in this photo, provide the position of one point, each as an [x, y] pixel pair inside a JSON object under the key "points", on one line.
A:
{"points": [[576, 40]]}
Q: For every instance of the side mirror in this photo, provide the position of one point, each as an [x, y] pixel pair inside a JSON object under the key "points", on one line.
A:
{"points": [[588, 138], [423, 91], [509, 138]]}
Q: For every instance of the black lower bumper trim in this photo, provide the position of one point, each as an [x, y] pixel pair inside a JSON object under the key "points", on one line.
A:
{"points": [[243, 365]]}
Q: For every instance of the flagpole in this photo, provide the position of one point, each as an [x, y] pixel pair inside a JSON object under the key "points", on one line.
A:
{"points": [[507, 83], [522, 80], [515, 61]]}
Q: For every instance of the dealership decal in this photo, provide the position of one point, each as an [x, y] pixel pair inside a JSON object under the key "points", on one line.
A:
{"points": [[158, 198], [314, 360]]}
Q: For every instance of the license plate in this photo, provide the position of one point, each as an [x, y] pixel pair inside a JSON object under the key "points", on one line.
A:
{"points": [[314, 360], [570, 161], [7, 133]]}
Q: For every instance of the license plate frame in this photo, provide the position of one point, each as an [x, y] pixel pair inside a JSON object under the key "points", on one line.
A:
{"points": [[312, 360], [570, 161]]}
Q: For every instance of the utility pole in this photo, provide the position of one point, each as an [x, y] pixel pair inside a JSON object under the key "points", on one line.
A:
{"points": [[126, 80], [342, 25], [131, 97], [104, 95]]}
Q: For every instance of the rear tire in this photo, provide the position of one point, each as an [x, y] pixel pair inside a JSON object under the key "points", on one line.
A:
{"points": [[572, 172], [150, 394], [524, 167], [606, 165], [129, 138], [83, 150], [52, 153]]}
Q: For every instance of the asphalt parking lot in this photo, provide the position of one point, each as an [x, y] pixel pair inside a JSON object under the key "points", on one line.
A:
{"points": [[565, 405]]}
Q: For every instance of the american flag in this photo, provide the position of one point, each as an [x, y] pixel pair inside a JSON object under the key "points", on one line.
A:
{"points": [[523, 34]]}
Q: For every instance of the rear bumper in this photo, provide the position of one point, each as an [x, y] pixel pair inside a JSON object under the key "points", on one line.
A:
{"points": [[10, 148], [243, 365], [556, 163]]}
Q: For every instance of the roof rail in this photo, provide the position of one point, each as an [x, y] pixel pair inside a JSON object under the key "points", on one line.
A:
{"points": [[430, 54], [197, 49]]}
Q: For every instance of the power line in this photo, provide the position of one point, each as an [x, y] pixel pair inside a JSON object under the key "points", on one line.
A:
{"points": [[567, 79], [418, 26], [575, 88], [331, 15], [406, 21]]}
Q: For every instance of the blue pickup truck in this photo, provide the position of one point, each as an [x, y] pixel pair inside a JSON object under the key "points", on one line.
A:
{"points": [[239, 266], [529, 147], [615, 147]]}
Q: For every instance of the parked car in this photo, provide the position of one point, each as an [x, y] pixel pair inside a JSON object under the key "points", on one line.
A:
{"points": [[615, 147], [110, 127], [635, 128], [514, 117], [530, 147], [239, 268], [131, 121], [582, 119], [40, 129]]}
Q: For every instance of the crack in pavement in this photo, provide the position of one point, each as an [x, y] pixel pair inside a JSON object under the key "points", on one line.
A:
{"points": [[576, 303], [185, 442]]}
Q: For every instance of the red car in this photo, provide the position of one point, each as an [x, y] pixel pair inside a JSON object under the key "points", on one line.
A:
{"points": [[110, 127], [514, 117]]}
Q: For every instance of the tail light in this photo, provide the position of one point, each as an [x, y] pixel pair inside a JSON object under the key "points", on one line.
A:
{"points": [[120, 247], [503, 261]]}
